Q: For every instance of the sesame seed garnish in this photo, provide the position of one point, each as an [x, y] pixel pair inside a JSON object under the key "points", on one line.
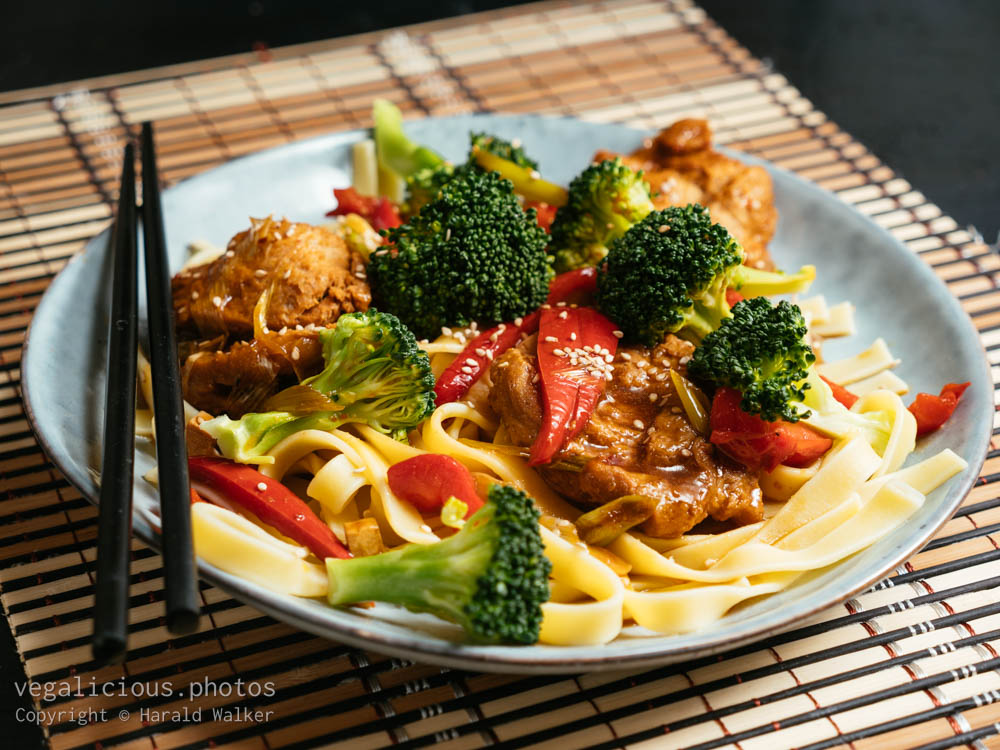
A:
{"points": [[661, 376], [559, 352], [560, 304], [685, 452], [609, 358], [494, 336], [642, 363], [588, 348], [447, 234], [638, 424], [535, 379], [551, 339], [626, 356], [471, 362], [467, 370], [675, 410], [563, 315], [295, 352], [298, 326], [286, 274], [460, 337], [261, 486], [489, 354], [265, 329], [618, 334], [230, 254], [446, 331], [260, 273], [572, 336], [663, 228], [684, 360], [608, 376], [653, 397], [217, 301], [360, 275], [518, 322], [425, 528], [194, 295], [181, 310], [424, 341], [480, 352], [473, 326], [535, 174]]}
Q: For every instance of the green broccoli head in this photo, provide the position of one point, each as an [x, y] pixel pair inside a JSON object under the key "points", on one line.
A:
{"points": [[605, 200], [669, 274], [509, 150], [491, 577], [471, 254], [375, 374], [761, 352]]}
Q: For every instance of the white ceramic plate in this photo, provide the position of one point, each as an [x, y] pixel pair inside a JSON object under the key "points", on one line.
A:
{"points": [[897, 295]]}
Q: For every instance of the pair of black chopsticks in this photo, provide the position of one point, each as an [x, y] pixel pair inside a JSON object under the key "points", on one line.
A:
{"points": [[110, 640]]}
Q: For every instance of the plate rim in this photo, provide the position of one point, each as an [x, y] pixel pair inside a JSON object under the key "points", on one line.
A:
{"points": [[463, 655]]}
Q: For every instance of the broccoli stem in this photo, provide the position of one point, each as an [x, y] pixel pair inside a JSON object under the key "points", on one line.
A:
{"points": [[752, 282], [395, 150]]}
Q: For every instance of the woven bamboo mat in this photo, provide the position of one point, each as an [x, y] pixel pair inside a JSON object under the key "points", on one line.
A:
{"points": [[909, 663]]}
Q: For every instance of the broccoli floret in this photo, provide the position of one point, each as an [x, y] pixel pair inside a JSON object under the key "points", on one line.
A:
{"points": [[424, 185], [669, 274], [761, 352], [375, 373], [605, 200], [511, 151], [471, 254], [491, 577]]}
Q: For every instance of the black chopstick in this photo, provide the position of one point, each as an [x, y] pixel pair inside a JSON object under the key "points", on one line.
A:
{"points": [[171, 453], [115, 513]]}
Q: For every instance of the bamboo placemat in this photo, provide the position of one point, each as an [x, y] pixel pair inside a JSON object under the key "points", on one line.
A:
{"points": [[909, 663]]}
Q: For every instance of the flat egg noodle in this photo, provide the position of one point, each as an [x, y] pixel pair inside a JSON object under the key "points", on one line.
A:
{"points": [[871, 361], [236, 545], [903, 434], [581, 623]]}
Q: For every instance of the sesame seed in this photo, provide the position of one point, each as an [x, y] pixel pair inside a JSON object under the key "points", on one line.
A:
{"points": [[518, 322], [675, 410], [230, 254], [572, 336], [447, 234], [473, 326], [494, 336], [286, 274], [480, 352], [684, 360], [295, 352], [661, 376], [501, 365], [446, 331], [559, 352], [626, 356], [638, 424], [194, 295], [261, 486], [663, 228], [425, 528], [535, 379], [563, 315], [467, 370], [642, 363], [551, 339], [685, 452], [489, 354], [596, 373], [588, 349], [609, 358], [560, 304], [424, 341], [608, 376], [471, 362], [217, 301], [284, 330], [535, 175], [265, 329], [181, 310], [298, 326], [260, 273], [653, 397], [361, 275], [460, 337], [618, 334], [277, 235]]}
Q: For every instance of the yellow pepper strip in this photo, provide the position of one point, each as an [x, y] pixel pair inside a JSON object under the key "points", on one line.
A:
{"points": [[526, 181]]}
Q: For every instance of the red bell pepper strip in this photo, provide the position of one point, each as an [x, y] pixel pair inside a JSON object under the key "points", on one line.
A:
{"points": [[573, 286], [380, 212], [217, 479], [573, 378], [840, 393], [545, 213], [759, 444], [933, 411], [428, 480], [475, 358]]}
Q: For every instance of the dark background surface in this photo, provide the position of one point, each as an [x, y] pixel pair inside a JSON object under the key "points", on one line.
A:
{"points": [[917, 81]]}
